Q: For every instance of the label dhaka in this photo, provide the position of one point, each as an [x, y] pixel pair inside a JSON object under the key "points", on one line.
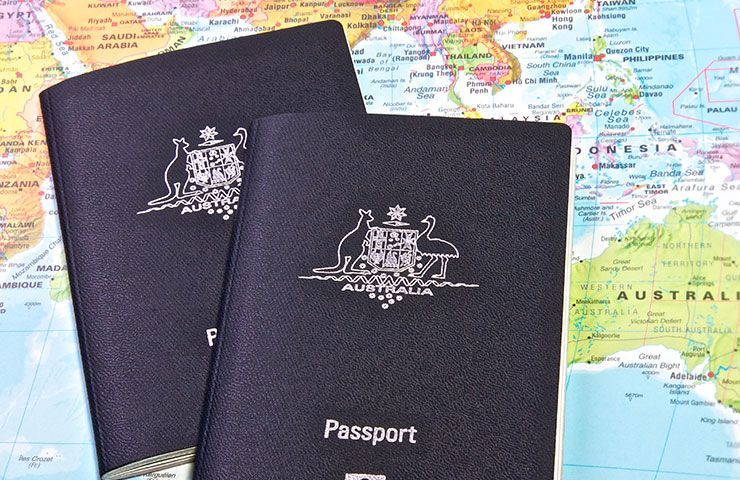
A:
{"points": [[203, 179], [391, 261]]}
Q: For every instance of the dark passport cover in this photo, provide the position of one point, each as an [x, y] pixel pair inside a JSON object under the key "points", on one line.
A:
{"points": [[147, 160], [393, 307]]}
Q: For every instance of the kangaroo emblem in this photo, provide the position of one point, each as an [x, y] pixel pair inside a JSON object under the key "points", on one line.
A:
{"points": [[176, 174], [207, 178], [352, 247]]}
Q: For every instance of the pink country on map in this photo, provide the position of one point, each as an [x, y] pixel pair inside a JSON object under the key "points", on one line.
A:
{"points": [[727, 153], [190, 8], [491, 73], [429, 24], [18, 22]]}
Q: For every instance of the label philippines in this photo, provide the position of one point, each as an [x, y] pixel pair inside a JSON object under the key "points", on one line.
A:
{"points": [[391, 261], [204, 179]]}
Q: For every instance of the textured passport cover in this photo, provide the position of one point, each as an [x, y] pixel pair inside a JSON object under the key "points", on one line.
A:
{"points": [[393, 303], [147, 160]]}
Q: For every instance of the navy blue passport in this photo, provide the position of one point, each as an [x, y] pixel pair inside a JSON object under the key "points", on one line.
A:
{"points": [[393, 307], [147, 159]]}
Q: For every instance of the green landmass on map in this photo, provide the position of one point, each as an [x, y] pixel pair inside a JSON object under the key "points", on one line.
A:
{"points": [[59, 287], [672, 284]]}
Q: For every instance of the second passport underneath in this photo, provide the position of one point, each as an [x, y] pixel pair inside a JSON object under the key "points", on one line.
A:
{"points": [[147, 159], [394, 302]]}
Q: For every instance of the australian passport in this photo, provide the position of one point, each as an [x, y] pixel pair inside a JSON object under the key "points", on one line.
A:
{"points": [[147, 159], [393, 308]]}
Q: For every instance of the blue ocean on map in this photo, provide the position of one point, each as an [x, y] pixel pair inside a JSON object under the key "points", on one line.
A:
{"points": [[673, 442]]}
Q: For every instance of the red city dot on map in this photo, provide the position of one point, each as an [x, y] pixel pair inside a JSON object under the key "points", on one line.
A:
{"points": [[710, 374], [293, 4], [595, 166], [18, 75], [243, 16]]}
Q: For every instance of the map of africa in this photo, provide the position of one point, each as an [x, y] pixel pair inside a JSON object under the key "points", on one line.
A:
{"points": [[651, 90]]}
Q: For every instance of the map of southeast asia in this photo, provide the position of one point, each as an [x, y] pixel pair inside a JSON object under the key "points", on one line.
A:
{"points": [[651, 90]]}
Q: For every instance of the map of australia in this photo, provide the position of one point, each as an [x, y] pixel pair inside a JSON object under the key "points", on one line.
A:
{"points": [[672, 284]]}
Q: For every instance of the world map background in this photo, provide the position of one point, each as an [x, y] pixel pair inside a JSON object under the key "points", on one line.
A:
{"points": [[650, 89]]}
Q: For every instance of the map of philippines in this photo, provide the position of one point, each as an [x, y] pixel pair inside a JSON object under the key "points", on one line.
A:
{"points": [[651, 90]]}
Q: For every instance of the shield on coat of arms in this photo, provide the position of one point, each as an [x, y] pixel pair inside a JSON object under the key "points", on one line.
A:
{"points": [[391, 249], [213, 166]]}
